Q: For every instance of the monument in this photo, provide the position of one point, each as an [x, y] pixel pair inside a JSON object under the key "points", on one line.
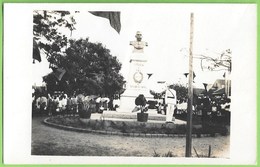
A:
{"points": [[137, 79], [138, 44]]}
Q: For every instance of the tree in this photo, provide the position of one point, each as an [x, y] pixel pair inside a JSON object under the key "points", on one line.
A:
{"points": [[90, 69], [181, 91], [47, 31], [222, 62], [157, 95], [89, 66]]}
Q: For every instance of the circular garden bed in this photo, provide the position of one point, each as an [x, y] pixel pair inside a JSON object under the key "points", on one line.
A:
{"points": [[132, 128]]}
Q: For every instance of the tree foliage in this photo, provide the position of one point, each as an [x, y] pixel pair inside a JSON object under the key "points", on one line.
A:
{"points": [[90, 69], [48, 28], [181, 91], [157, 95]]}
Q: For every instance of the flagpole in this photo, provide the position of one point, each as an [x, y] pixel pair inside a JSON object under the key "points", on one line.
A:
{"points": [[190, 94]]}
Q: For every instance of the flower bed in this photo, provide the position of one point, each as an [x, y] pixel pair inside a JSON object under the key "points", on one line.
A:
{"points": [[135, 127]]}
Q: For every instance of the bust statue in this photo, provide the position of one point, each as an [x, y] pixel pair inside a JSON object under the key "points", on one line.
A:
{"points": [[138, 44]]}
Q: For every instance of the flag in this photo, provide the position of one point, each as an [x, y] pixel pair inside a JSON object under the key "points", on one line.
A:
{"points": [[113, 17], [59, 73], [36, 51], [149, 75], [194, 75], [205, 86], [186, 74]]}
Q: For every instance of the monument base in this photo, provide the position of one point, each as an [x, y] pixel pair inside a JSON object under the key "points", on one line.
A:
{"points": [[127, 99]]}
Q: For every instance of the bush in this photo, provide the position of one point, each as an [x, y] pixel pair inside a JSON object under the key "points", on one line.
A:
{"points": [[85, 109], [140, 100]]}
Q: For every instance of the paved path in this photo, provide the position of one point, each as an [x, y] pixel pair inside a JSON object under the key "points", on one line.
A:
{"points": [[51, 141]]}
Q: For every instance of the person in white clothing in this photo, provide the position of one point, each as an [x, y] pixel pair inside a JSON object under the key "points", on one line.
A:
{"points": [[59, 106], [64, 104], [170, 102]]}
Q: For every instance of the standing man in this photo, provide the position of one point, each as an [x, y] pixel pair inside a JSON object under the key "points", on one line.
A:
{"points": [[170, 102], [206, 109], [74, 105]]}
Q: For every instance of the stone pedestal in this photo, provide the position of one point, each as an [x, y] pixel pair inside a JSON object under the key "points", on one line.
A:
{"points": [[136, 83]]}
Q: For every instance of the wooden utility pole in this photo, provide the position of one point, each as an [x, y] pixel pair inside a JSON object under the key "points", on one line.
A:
{"points": [[190, 94]]}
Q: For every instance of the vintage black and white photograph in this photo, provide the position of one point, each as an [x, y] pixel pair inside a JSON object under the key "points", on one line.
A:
{"points": [[140, 80]]}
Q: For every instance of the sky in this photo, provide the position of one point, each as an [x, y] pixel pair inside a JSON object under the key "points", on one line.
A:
{"points": [[166, 28]]}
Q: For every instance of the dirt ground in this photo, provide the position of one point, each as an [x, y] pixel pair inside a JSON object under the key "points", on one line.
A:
{"points": [[51, 141]]}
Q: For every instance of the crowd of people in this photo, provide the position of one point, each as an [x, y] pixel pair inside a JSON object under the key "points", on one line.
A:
{"points": [[208, 107], [61, 104], [214, 107]]}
